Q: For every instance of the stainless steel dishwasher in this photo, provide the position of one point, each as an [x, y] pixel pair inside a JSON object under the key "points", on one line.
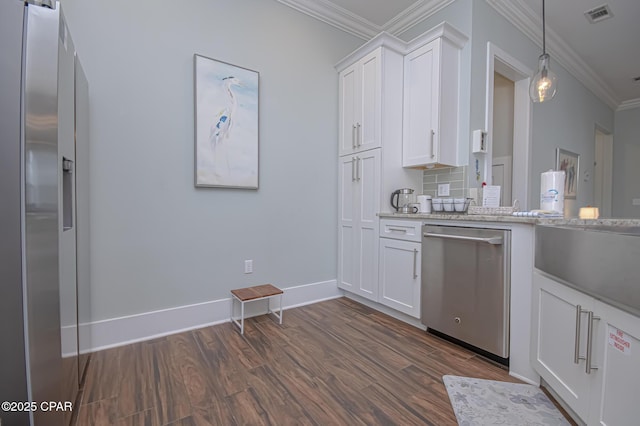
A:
{"points": [[465, 286]]}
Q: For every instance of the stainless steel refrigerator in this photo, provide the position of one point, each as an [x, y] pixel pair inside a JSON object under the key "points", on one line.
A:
{"points": [[38, 269]]}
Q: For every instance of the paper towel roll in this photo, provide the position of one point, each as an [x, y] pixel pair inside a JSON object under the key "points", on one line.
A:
{"points": [[552, 191]]}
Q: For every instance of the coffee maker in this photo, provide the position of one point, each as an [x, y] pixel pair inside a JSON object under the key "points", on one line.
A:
{"points": [[401, 200]]}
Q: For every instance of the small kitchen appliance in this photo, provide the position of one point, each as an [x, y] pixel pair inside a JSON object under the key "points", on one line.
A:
{"points": [[425, 203], [401, 200]]}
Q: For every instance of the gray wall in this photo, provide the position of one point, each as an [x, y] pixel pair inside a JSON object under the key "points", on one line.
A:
{"points": [[158, 242], [568, 121], [626, 157]]}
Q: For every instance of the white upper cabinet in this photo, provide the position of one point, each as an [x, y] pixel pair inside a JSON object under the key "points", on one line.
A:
{"points": [[360, 104], [431, 99]]}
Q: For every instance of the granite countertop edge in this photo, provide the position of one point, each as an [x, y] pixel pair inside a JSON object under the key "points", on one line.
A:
{"points": [[514, 219]]}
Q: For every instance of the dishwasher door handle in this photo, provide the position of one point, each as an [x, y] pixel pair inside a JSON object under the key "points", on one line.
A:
{"points": [[491, 240]]}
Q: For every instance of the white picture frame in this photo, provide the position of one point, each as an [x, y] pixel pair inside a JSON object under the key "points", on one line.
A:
{"points": [[226, 101]]}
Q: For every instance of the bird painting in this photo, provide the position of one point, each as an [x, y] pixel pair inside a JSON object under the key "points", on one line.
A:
{"points": [[226, 118], [223, 121]]}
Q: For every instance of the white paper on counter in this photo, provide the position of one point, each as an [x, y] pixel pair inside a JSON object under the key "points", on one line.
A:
{"points": [[491, 196]]}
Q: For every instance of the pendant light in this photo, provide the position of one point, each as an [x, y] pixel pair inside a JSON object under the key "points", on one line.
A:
{"points": [[544, 83]]}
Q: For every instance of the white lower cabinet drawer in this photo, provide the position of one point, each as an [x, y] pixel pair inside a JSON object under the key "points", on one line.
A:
{"points": [[408, 230]]}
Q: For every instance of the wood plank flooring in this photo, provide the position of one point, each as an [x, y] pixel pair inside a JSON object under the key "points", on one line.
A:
{"points": [[332, 363]]}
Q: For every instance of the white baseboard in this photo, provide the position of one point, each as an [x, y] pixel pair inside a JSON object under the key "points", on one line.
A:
{"points": [[524, 379], [121, 331], [386, 310]]}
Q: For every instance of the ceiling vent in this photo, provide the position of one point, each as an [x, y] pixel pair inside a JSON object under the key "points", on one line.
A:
{"points": [[598, 14]]}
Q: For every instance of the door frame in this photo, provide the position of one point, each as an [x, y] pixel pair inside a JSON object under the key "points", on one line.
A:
{"points": [[603, 170], [505, 161], [501, 62]]}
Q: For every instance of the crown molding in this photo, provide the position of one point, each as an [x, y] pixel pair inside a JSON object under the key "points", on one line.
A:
{"points": [[414, 14], [444, 30], [336, 16], [332, 14], [530, 24], [630, 104], [383, 39]]}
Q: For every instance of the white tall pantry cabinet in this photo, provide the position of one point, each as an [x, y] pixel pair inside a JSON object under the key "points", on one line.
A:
{"points": [[370, 162], [383, 85]]}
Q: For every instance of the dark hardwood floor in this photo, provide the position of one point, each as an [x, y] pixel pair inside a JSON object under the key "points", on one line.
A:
{"points": [[332, 363]]}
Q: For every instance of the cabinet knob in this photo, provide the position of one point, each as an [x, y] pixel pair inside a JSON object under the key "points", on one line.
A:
{"points": [[457, 320]]}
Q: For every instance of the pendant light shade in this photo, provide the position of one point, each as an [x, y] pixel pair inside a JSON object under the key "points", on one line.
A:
{"points": [[544, 83]]}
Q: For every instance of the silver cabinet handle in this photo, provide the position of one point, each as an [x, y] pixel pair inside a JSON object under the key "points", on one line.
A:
{"points": [[576, 349], [415, 262], [397, 229], [492, 240], [353, 136], [359, 133], [433, 153], [590, 319], [358, 170], [353, 169]]}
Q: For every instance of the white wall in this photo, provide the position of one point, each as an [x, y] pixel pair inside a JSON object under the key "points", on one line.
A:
{"points": [[158, 242], [626, 158], [568, 121]]}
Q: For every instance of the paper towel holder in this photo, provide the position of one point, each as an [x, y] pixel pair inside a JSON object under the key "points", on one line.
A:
{"points": [[479, 142]]}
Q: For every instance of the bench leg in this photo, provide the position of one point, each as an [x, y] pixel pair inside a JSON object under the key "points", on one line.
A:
{"points": [[240, 323], [277, 314], [242, 317]]}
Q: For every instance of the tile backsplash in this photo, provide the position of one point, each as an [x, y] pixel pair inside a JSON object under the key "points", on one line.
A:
{"points": [[456, 177]]}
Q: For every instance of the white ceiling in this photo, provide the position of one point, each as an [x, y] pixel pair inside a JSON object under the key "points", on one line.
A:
{"points": [[604, 56]]}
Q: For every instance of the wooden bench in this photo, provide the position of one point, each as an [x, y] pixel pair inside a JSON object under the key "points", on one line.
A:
{"points": [[250, 294]]}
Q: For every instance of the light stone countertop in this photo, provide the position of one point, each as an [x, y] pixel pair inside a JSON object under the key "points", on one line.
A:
{"points": [[514, 219]]}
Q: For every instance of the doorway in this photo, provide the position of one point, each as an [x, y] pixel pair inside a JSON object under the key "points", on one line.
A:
{"points": [[508, 126], [502, 140], [603, 172]]}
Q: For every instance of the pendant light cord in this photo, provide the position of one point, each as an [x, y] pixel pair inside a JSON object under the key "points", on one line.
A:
{"points": [[544, 50]]}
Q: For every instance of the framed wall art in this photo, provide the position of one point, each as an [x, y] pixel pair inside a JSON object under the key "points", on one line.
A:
{"points": [[226, 124], [570, 163]]}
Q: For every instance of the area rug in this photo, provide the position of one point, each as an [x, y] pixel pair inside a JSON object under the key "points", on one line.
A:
{"points": [[488, 402]]}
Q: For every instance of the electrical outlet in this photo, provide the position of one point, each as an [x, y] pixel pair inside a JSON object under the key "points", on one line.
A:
{"points": [[248, 266], [635, 202], [443, 190]]}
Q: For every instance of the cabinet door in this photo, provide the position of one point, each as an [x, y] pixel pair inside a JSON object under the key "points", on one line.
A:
{"points": [[349, 110], [347, 207], [369, 122], [400, 263], [616, 389], [360, 105], [368, 187], [421, 106], [554, 340]]}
